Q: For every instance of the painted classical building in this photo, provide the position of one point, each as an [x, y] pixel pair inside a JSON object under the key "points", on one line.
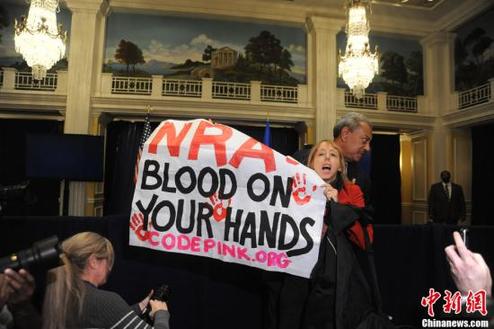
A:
{"points": [[223, 58]]}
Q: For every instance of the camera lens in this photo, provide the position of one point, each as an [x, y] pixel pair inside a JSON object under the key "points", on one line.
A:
{"points": [[43, 254]]}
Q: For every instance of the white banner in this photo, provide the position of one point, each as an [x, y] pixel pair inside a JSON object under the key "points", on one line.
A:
{"points": [[209, 190]]}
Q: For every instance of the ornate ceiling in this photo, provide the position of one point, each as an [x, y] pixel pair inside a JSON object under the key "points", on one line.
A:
{"points": [[418, 4], [416, 18]]}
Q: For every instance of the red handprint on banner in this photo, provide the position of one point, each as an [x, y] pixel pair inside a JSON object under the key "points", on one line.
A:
{"points": [[299, 189], [137, 225], [291, 160], [219, 207]]}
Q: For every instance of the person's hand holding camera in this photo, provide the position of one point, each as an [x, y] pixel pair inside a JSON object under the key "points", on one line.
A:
{"points": [[5, 291], [21, 285], [145, 302], [156, 306]]}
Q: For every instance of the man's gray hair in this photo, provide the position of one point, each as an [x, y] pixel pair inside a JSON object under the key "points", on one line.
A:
{"points": [[352, 120]]}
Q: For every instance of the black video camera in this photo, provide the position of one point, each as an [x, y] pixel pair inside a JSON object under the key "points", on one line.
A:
{"points": [[161, 293], [43, 254]]}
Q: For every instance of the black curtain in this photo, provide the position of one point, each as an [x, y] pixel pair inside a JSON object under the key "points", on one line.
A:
{"points": [[121, 151], [41, 195], [482, 174], [122, 142], [208, 293], [386, 178], [283, 140]]}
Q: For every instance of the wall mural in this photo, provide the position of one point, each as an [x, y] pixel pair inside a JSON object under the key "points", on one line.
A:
{"points": [[400, 66], [8, 56], [474, 52], [194, 48]]}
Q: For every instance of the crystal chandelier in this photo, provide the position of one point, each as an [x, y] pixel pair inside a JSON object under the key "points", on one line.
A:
{"points": [[38, 38], [359, 65]]}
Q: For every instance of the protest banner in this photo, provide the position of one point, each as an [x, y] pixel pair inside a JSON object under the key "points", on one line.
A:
{"points": [[209, 190]]}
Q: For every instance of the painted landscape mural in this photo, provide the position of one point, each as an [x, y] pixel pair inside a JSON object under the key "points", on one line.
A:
{"points": [[194, 48], [8, 56], [474, 52]]}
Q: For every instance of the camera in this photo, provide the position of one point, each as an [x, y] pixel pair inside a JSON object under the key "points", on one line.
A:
{"points": [[162, 293], [464, 236], [43, 254]]}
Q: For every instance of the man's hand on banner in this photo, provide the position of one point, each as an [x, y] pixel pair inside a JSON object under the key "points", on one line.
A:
{"points": [[137, 225], [219, 207], [299, 189]]}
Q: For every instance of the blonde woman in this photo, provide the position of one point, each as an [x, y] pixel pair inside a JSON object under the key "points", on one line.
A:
{"points": [[326, 158], [73, 300], [338, 297]]}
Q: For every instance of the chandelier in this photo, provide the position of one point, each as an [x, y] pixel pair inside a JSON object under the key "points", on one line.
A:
{"points": [[38, 38], [359, 65]]}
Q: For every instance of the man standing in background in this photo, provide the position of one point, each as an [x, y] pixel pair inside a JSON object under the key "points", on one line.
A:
{"points": [[446, 201]]}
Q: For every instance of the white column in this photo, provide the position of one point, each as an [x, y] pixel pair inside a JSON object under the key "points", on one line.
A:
{"points": [[8, 78], [85, 65], [255, 92], [381, 101], [438, 50], [207, 89], [157, 86], [439, 75], [322, 72], [491, 82]]}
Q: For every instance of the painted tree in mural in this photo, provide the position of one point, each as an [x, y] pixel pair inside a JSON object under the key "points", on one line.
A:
{"points": [[393, 73], [4, 19], [286, 62], [208, 52], [393, 67], [129, 54], [474, 60], [265, 49], [414, 64], [272, 60]]}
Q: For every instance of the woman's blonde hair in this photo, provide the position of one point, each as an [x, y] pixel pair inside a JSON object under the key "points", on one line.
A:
{"points": [[65, 289], [313, 152]]}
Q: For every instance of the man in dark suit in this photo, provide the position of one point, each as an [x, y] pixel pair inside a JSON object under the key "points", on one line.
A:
{"points": [[446, 201]]}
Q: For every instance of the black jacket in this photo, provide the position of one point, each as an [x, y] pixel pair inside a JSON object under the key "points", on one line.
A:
{"points": [[323, 303], [445, 210]]}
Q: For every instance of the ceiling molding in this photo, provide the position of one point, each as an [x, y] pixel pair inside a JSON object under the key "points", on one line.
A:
{"points": [[394, 121], [201, 109], [471, 116], [32, 101], [386, 17], [462, 13], [415, 4]]}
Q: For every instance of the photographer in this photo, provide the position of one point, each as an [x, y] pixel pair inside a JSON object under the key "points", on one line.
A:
{"points": [[16, 310], [73, 300]]}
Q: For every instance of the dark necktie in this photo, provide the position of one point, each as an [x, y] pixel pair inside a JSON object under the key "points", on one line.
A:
{"points": [[446, 188]]}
